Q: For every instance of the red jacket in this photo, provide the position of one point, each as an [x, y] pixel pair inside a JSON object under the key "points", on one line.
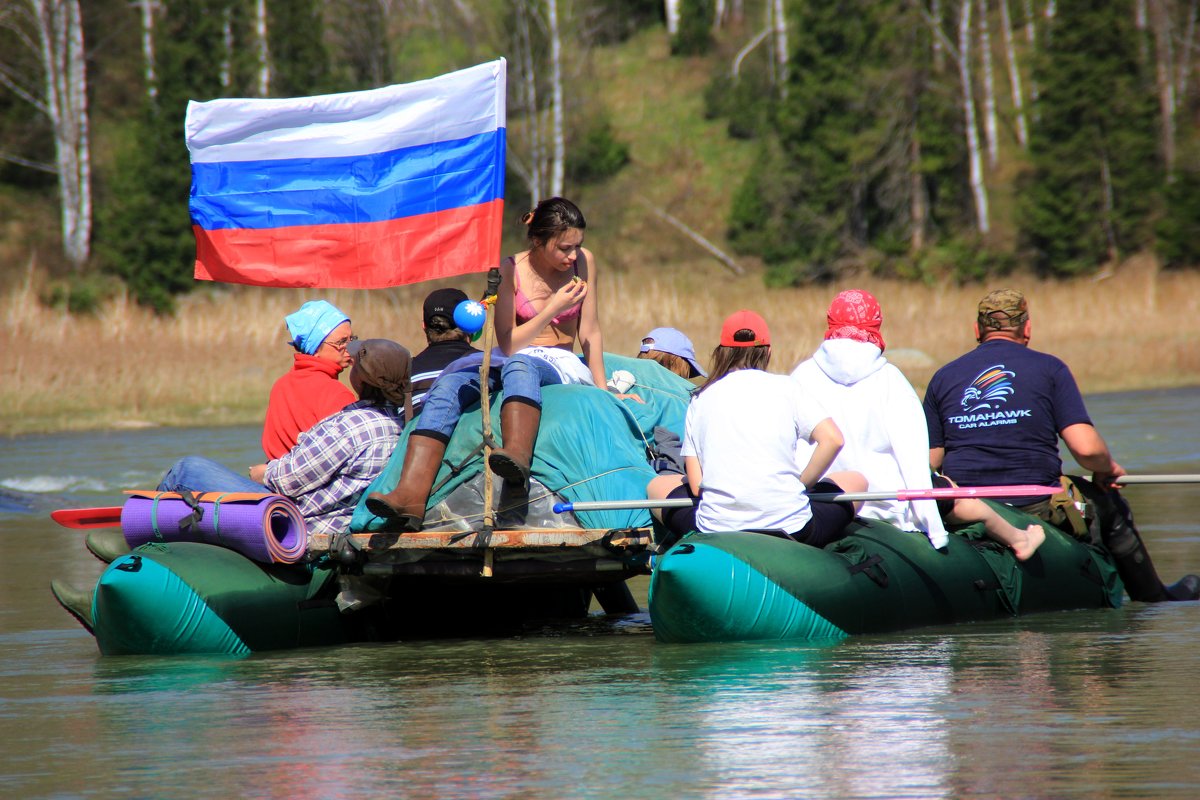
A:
{"points": [[301, 399]]}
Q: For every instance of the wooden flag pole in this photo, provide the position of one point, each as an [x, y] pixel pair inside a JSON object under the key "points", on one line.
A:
{"points": [[485, 405]]}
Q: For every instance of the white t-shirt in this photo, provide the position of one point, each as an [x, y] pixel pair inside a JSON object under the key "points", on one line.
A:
{"points": [[883, 424], [744, 429]]}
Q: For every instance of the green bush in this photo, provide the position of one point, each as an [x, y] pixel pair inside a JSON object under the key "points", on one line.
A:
{"points": [[597, 154], [80, 294], [963, 260], [615, 21], [739, 101], [694, 37], [1179, 229]]}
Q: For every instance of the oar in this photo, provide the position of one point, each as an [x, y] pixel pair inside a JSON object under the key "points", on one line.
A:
{"points": [[87, 517], [1023, 490], [1126, 480]]}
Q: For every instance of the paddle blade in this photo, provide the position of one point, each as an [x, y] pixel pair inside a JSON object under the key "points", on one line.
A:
{"points": [[87, 517]]}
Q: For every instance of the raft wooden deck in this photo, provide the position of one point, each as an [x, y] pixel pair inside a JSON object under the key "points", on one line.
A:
{"points": [[526, 555]]}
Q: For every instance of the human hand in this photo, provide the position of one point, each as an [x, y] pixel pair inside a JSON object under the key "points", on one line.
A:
{"points": [[258, 473], [629, 397], [1111, 478], [570, 294]]}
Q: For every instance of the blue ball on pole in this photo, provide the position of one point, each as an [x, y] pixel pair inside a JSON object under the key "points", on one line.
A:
{"points": [[469, 315]]}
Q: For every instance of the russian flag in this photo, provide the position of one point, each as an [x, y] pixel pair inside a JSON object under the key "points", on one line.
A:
{"points": [[359, 190]]}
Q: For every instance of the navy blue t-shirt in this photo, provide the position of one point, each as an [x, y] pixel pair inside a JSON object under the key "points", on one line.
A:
{"points": [[998, 411]]}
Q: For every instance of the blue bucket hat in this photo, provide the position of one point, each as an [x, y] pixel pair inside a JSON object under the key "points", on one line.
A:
{"points": [[675, 342], [309, 326]]}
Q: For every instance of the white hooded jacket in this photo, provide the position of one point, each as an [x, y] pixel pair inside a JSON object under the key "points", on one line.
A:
{"points": [[884, 427]]}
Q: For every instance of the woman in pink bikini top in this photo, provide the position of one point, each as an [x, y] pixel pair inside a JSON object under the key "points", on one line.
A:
{"points": [[547, 295]]}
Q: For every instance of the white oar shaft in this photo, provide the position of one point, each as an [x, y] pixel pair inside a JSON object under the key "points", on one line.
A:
{"points": [[827, 497], [684, 502], [1129, 480]]}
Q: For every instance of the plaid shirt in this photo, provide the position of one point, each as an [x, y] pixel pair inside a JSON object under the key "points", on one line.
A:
{"points": [[334, 462]]}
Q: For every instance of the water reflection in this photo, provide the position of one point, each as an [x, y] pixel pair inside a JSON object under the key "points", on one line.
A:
{"points": [[1094, 703]]}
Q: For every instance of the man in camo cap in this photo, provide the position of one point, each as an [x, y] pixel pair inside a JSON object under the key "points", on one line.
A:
{"points": [[995, 416], [996, 413]]}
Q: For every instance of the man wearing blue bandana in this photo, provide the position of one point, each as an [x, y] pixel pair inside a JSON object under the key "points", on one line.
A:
{"points": [[320, 334]]}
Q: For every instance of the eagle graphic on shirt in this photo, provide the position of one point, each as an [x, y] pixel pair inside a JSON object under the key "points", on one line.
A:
{"points": [[990, 389]]}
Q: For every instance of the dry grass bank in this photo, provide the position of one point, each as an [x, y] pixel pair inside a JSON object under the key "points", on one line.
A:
{"points": [[214, 362]]}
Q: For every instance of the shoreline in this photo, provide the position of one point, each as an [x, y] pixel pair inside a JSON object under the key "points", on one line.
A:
{"points": [[119, 425], [213, 363]]}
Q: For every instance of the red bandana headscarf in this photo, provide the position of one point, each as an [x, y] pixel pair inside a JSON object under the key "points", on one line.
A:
{"points": [[855, 314]]}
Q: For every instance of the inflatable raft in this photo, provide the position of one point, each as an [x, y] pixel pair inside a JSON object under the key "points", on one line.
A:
{"points": [[188, 597], [735, 586], [207, 577]]}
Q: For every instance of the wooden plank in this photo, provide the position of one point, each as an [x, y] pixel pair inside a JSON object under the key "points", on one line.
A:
{"points": [[533, 539], [517, 570]]}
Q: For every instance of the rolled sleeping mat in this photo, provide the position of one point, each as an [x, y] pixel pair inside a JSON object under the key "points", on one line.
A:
{"points": [[267, 528]]}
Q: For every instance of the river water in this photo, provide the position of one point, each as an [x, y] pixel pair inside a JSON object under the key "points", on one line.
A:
{"points": [[1080, 704]]}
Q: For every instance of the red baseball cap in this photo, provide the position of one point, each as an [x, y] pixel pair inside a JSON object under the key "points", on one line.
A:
{"points": [[744, 320]]}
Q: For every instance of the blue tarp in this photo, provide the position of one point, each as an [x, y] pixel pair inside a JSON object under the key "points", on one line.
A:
{"points": [[591, 446]]}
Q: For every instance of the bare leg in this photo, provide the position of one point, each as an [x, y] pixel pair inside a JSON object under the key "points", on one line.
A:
{"points": [[1023, 543], [660, 487], [850, 482]]}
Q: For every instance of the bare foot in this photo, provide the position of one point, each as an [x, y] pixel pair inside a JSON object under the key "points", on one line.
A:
{"points": [[1033, 537]]}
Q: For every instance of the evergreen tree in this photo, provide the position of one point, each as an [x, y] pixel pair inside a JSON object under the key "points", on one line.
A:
{"points": [[694, 36], [1095, 180], [1179, 229], [299, 61], [860, 120], [144, 232]]}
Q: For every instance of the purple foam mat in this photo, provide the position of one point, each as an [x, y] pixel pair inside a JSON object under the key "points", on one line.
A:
{"points": [[270, 529]]}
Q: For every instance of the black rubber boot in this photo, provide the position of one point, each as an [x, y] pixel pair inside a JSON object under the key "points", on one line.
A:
{"points": [[1186, 588], [1129, 554]]}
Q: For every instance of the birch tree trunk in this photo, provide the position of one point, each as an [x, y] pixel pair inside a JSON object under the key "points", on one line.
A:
{"points": [[264, 53], [672, 11], [1106, 221], [917, 206], [535, 180], [990, 128], [1031, 40], [148, 9], [1164, 70], [226, 72], [974, 157], [781, 45], [736, 68], [719, 12], [557, 133], [1185, 58], [1014, 76], [935, 12], [60, 39]]}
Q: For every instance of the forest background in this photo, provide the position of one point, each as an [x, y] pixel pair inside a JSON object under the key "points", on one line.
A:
{"points": [[727, 153]]}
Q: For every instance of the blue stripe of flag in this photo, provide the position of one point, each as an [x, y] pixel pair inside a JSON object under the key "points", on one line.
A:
{"points": [[376, 187]]}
